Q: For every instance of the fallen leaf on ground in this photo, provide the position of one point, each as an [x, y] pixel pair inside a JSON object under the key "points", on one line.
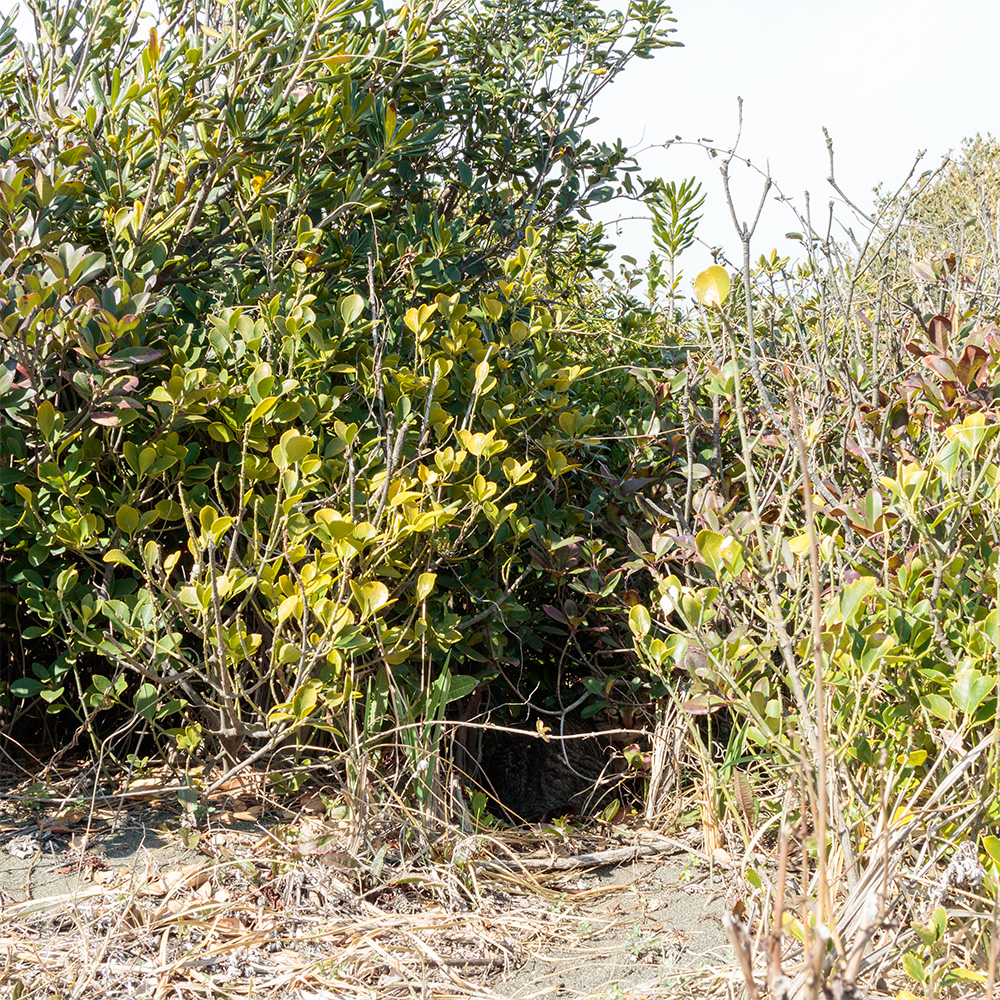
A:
{"points": [[189, 876]]}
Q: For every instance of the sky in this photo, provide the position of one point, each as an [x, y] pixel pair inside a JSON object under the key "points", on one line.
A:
{"points": [[887, 78]]}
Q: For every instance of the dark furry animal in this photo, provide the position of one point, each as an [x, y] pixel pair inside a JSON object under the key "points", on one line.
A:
{"points": [[534, 779]]}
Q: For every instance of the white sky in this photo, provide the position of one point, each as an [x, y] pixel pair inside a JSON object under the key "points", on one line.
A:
{"points": [[887, 78]]}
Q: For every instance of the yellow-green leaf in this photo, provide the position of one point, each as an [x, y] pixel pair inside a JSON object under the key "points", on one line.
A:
{"points": [[292, 448], [262, 408], [289, 653], [492, 306], [370, 596], [46, 418], [992, 845], [639, 621], [127, 518], [969, 975], [425, 584], [799, 544], [710, 548], [291, 605], [306, 699], [351, 307], [119, 557], [557, 463], [219, 527], [711, 287], [150, 554]]}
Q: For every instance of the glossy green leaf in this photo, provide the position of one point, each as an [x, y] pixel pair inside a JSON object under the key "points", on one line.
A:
{"points": [[351, 307]]}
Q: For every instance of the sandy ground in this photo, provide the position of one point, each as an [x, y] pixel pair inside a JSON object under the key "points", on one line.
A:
{"points": [[651, 930], [36, 865], [647, 928]]}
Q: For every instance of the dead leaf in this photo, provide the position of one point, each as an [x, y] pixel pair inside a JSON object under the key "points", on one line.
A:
{"points": [[723, 858], [232, 926], [187, 877], [952, 741], [288, 957], [204, 890]]}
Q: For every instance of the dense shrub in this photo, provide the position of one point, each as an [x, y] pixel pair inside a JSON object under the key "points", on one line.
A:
{"points": [[324, 416], [291, 409]]}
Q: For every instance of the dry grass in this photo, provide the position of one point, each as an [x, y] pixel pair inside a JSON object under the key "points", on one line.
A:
{"points": [[263, 920], [285, 910], [277, 901]]}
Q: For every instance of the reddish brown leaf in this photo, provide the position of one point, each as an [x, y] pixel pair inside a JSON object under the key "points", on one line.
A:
{"points": [[899, 420], [939, 365], [630, 486], [970, 364], [555, 613], [939, 332], [696, 706]]}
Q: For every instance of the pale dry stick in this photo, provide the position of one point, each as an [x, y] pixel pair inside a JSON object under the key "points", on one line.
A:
{"points": [[194, 217], [126, 909], [784, 642], [819, 680], [356, 782], [830, 250], [866, 908], [276, 738], [378, 349], [80, 57], [863, 255], [826, 792], [807, 807], [154, 174], [991, 972], [777, 981], [231, 729], [495, 605], [994, 765], [742, 948], [745, 233], [320, 647], [660, 756], [686, 411]]}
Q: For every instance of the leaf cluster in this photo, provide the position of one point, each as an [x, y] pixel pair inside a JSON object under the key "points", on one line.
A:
{"points": [[291, 411]]}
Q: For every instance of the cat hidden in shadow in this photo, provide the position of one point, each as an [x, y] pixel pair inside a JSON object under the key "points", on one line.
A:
{"points": [[533, 778]]}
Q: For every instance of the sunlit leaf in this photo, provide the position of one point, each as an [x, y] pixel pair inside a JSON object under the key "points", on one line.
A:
{"points": [[351, 307], [711, 287], [639, 621], [425, 584]]}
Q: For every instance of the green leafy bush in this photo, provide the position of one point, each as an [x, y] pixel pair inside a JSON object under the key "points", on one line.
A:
{"points": [[290, 410]]}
